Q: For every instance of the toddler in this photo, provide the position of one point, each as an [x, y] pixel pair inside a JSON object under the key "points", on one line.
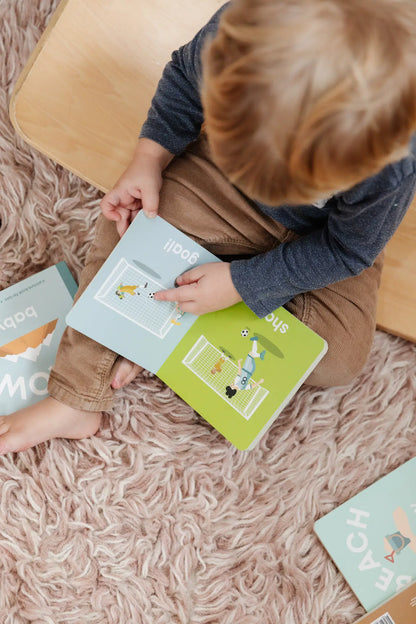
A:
{"points": [[280, 138]]}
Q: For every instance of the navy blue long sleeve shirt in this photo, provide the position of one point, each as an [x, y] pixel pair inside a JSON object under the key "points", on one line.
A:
{"points": [[338, 240]]}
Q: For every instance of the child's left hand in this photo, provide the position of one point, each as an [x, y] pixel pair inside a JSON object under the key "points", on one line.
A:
{"points": [[203, 289]]}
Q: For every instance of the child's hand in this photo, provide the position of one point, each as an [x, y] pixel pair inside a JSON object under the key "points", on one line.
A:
{"points": [[139, 186], [203, 289]]}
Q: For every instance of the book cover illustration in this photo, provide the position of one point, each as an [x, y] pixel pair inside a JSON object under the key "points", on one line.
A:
{"points": [[401, 609], [372, 537], [32, 320], [234, 369]]}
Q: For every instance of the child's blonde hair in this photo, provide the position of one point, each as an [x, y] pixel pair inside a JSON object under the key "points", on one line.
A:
{"points": [[306, 97]]}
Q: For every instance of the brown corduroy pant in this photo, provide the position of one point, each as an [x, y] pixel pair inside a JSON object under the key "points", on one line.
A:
{"points": [[197, 199]]}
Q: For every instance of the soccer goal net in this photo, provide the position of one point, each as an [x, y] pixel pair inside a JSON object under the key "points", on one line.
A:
{"points": [[217, 371], [129, 291]]}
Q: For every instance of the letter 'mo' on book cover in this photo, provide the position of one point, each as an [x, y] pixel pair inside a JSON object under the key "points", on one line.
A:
{"points": [[372, 538], [236, 370], [32, 321]]}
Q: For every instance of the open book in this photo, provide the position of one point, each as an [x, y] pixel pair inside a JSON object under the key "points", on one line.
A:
{"points": [[234, 369]]}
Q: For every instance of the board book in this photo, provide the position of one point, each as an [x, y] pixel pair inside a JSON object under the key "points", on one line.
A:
{"points": [[401, 609], [236, 370], [32, 321], [372, 536]]}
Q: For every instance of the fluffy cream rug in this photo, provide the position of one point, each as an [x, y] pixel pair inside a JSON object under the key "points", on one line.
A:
{"points": [[157, 519]]}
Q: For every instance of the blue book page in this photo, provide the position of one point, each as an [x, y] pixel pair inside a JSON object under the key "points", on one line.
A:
{"points": [[32, 321], [118, 309], [372, 537]]}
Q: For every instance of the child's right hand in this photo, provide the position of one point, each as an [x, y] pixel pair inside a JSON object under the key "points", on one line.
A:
{"points": [[139, 186]]}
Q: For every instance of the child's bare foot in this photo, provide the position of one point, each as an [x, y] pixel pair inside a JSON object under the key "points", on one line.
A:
{"points": [[125, 372], [43, 421]]}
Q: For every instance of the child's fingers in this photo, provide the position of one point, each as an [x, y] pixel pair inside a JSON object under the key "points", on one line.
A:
{"points": [[189, 277], [119, 198], [109, 204], [150, 202], [133, 214], [122, 227], [182, 294], [123, 220], [185, 290]]}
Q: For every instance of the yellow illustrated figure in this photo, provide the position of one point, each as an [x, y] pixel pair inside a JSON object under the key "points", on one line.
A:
{"points": [[179, 315], [217, 368], [122, 291]]}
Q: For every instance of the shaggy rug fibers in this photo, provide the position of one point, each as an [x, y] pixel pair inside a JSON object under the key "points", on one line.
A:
{"points": [[157, 519]]}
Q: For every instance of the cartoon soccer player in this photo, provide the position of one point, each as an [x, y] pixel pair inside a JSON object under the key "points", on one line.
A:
{"points": [[403, 538], [122, 291], [179, 315], [217, 368], [246, 371]]}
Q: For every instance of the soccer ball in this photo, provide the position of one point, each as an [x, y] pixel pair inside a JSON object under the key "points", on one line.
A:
{"points": [[244, 333], [151, 295]]}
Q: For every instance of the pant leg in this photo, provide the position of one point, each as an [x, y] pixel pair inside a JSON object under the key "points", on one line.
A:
{"points": [[199, 200], [344, 314], [81, 375]]}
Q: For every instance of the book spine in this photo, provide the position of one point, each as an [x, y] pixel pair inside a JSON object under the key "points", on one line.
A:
{"points": [[67, 278]]}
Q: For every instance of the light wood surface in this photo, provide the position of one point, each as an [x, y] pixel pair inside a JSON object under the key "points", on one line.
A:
{"points": [[396, 312], [86, 89]]}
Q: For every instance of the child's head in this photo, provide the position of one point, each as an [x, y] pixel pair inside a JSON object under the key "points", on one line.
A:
{"points": [[306, 97]]}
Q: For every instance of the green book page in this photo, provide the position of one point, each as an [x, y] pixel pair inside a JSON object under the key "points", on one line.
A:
{"points": [[275, 354]]}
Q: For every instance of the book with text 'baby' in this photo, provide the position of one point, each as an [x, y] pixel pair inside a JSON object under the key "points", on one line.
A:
{"points": [[32, 321], [400, 609], [372, 537], [236, 370]]}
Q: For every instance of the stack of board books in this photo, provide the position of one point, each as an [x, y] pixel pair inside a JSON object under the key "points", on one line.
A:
{"points": [[236, 370], [372, 540], [32, 321]]}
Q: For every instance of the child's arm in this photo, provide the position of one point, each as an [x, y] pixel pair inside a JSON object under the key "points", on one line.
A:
{"points": [[359, 224], [139, 186], [176, 115]]}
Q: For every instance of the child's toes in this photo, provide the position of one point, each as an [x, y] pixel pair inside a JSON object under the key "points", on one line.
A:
{"points": [[132, 374], [4, 425], [125, 372], [7, 444]]}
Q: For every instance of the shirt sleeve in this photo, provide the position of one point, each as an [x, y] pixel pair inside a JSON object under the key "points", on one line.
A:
{"points": [[359, 225], [175, 116]]}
